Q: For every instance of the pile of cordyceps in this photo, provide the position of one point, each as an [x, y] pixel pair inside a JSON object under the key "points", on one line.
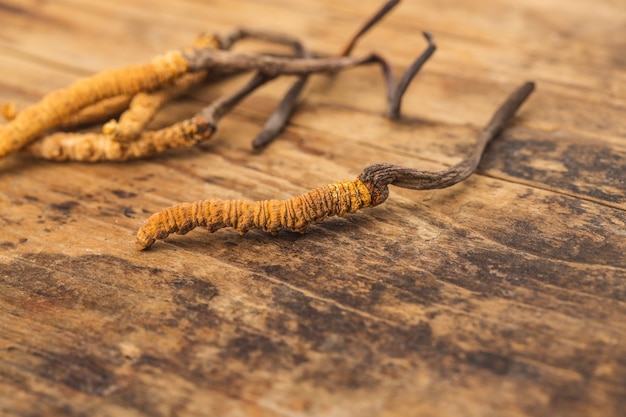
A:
{"points": [[52, 128]]}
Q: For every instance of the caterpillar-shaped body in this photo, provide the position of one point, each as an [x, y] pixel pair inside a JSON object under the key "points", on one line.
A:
{"points": [[294, 214]]}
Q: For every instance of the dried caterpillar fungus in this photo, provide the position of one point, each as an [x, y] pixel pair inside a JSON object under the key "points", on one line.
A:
{"points": [[371, 188], [98, 96], [96, 147], [294, 214]]}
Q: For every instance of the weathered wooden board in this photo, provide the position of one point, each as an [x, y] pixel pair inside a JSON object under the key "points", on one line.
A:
{"points": [[504, 295]]}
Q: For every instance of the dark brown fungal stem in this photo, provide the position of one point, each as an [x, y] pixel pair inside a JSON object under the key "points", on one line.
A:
{"points": [[307, 66], [227, 41], [395, 98], [222, 106], [369, 189], [394, 93], [379, 176], [199, 59], [278, 119]]}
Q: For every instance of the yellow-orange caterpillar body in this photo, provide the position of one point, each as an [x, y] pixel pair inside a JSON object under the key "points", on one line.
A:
{"points": [[294, 214], [126, 139]]}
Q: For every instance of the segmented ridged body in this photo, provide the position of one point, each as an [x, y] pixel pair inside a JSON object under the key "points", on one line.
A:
{"points": [[295, 214]]}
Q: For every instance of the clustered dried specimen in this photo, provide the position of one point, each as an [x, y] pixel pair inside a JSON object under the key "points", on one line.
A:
{"points": [[138, 92], [369, 189]]}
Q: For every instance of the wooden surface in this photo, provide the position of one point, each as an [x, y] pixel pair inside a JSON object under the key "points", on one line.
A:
{"points": [[502, 296]]}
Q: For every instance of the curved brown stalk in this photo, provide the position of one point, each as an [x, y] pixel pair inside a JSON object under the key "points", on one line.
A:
{"points": [[277, 121]]}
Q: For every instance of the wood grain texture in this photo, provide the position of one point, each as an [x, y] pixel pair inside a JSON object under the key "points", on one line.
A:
{"points": [[504, 295]]}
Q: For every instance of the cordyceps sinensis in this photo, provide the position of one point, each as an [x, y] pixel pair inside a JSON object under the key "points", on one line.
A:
{"points": [[140, 91], [369, 189]]}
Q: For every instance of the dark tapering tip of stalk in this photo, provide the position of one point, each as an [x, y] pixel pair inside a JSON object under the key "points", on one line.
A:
{"points": [[382, 12], [396, 95], [277, 121]]}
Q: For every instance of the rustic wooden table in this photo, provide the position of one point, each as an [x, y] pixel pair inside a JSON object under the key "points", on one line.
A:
{"points": [[504, 295]]}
